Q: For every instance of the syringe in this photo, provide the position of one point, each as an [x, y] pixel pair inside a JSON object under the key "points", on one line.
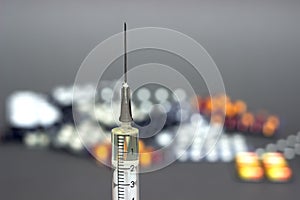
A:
{"points": [[125, 154]]}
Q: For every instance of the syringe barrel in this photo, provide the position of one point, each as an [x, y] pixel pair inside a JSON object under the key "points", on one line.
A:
{"points": [[125, 161]]}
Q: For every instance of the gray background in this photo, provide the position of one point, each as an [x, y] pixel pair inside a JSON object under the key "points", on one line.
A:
{"points": [[42, 44]]}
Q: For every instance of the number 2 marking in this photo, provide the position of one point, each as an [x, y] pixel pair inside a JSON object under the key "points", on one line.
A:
{"points": [[131, 168]]}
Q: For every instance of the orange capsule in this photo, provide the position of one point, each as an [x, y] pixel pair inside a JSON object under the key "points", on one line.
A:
{"points": [[102, 152], [251, 173], [247, 119], [269, 129], [223, 98], [230, 110], [146, 157], [274, 120], [141, 146], [219, 103], [248, 166], [217, 118], [279, 174], [240, 107], [207, 106], [273, 159], [247, 159]]}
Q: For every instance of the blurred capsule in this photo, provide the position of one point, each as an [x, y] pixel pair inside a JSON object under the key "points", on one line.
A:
{"points": [[146, 157], [240, 107], [246, 120], [230, 110], [273, 159], [230, 124], [279, 174], [256, 127], [102, 152], [277, 169]]}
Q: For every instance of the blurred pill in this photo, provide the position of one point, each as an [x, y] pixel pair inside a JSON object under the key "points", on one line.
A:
{"points": [[289, 153], [226, 155], [182, 156], [75, 144], [146, 106], [179, 95], [297, 149], [63, 95], [271, 148], [30, 140], [43, 140], [164, 138], [195, 155], [298, 138], [281, 145], [240, 107], [212, 156], [143, 94], [291, 140], [260, 152], [167, 106], [161, 94], [64, 136], [106, 94]]}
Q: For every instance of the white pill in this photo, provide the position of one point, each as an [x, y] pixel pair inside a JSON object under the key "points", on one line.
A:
{"points": [[291, 140], [179, 95], [146, 106], [164, 139], [271, 148], [281, 144], [212, 156], [297, 149], [106, 94], [226, 156], [260, 152], [289, 153], [143, 94], [161, 94], [195, 155], [30, 139]]}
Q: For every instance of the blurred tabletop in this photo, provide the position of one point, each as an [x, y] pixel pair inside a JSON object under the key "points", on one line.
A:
{"points": [[43, 174]]}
